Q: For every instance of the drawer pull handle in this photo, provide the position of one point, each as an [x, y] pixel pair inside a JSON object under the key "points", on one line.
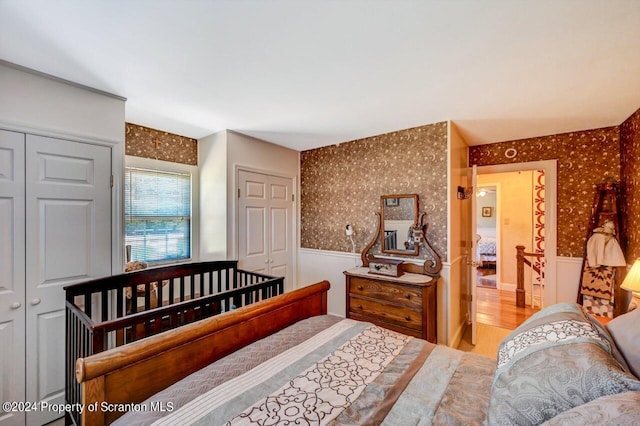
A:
{"points": [[359, 306], [408, 296], [360, 287], [408, 318]]}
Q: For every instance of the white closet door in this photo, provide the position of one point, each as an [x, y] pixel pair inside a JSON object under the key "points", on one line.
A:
{"points": [[12, 272], [280, 215], [253, 249], [68, 237], [265, 214]]}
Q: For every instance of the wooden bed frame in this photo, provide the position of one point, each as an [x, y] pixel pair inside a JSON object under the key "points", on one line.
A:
{"points": [[131, 373]]}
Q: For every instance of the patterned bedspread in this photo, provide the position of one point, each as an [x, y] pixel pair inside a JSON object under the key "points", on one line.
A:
{"points": [[327, 370], [487, 245]]}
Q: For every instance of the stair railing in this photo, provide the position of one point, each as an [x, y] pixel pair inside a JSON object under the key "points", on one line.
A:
{"points": [[521, 259]]}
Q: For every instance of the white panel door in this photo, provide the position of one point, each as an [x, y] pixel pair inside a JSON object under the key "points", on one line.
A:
{"points": [[265, 214], [12, 274], [280, 211], [253, 204], [68, 238]]}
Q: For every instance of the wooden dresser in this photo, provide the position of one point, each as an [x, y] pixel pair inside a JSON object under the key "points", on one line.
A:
{"points": [[406, 304]]}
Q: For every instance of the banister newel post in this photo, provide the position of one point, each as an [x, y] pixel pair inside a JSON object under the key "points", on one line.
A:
{"points": [[520, 293]]}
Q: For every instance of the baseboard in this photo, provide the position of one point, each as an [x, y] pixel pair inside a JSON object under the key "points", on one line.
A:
{"points": [[458, 335], [508, 287]]}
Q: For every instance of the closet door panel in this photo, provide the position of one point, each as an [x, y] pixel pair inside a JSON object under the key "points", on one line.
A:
{"points": [[72, 260], [253, 252], [68, 234], [281, 205], [12, 273]]}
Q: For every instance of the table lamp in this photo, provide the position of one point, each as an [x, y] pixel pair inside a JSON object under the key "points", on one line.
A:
{"points": [[632, 283]]}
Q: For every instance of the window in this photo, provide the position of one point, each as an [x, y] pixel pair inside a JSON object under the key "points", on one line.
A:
{"points": [[157, 215]]}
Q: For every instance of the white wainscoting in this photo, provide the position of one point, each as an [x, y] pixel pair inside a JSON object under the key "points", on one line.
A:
{"points": [[568, 278], [317, 265]]}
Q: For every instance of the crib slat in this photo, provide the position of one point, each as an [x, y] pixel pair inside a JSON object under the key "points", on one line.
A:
{"points": [[119, 302], [159, 290], [104, 299]]}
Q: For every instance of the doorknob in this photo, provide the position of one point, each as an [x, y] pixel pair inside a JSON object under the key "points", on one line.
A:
{"points": [[36, 301], [271, 261], [16, 305], [266, 261]]}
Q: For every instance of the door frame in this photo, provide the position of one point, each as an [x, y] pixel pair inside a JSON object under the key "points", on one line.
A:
{"points": [[235, 222], [550, 168]]}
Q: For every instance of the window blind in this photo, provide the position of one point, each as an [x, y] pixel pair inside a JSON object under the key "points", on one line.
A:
{"points": [[157, 215]]}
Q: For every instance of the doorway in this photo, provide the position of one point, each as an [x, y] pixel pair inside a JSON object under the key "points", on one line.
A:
{"points": [[524, 190]]}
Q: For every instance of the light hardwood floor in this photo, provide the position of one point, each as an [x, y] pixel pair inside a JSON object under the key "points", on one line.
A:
{"points": [[497, 316], [498, 308], [488, 339]]}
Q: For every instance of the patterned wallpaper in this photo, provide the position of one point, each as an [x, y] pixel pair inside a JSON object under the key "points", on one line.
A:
{"points": [[584, 159], [150, 143], [630, 172], [343, 183]]}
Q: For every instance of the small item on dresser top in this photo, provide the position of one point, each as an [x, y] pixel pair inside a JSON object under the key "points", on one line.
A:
{"points": [[385, 266]]}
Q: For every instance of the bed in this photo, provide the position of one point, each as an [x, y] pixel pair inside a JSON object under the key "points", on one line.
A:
{"points": [[284, 361], [486, 246]]}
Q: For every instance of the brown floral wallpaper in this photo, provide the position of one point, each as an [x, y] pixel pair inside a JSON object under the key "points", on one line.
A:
{"points": [[584, 159], [150, 143], [630, 173], [343, 183]]}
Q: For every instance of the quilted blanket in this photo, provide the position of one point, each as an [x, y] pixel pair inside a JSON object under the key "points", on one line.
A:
{"points": [[349, 372], [487, 245]]}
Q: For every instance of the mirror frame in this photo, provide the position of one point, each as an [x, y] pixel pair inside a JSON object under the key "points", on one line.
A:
{"points": [[383, 203]]}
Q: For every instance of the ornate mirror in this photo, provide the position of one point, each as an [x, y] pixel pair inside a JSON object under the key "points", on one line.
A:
{"points": [[399, 216]]}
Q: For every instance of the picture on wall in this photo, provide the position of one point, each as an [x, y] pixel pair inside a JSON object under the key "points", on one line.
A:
{"points": [[486, 212]]}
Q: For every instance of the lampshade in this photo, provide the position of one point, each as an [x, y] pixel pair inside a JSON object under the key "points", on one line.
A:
{"points": [[632, 280]]}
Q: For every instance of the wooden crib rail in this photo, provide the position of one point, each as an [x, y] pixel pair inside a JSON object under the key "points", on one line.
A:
{"points": [[104, 313]]}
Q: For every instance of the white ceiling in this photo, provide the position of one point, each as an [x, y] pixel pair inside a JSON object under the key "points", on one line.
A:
{"points": [[304, 74]]}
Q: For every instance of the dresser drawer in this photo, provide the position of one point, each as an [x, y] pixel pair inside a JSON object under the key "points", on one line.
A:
{"points": [[407, 296], [380, 311]]}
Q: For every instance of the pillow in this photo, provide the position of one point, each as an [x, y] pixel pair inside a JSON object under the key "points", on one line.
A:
{"points": [[556, 360], [620, 409], [626, 335]]}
